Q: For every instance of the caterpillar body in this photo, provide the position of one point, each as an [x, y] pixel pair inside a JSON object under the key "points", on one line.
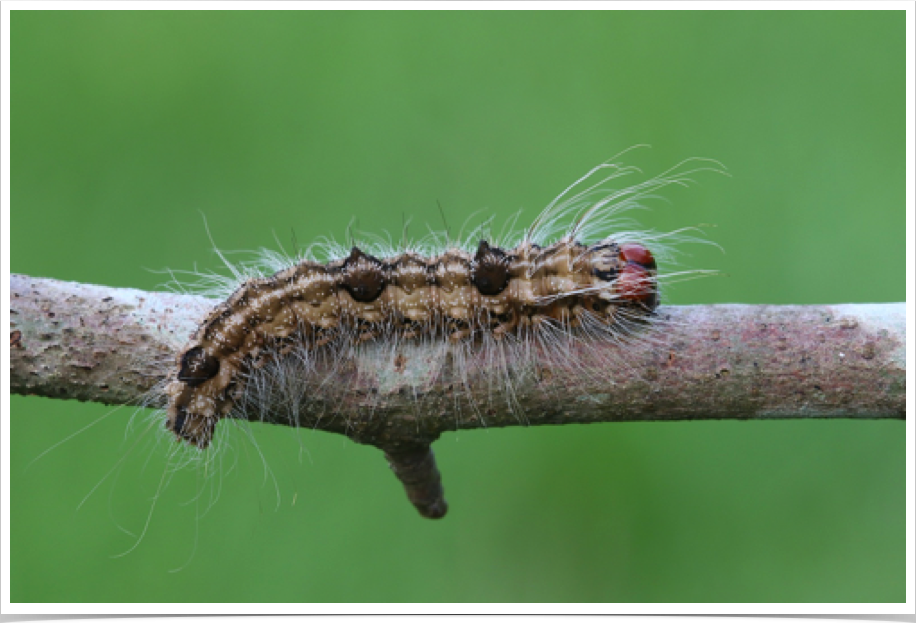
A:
{"points": [[290, 323], [456, 296]]}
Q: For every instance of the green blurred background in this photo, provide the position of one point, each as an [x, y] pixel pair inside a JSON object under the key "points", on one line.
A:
{"points": [[127, 126]]}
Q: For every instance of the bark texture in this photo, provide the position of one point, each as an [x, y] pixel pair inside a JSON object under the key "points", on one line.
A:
{"points": [[113, 345]]}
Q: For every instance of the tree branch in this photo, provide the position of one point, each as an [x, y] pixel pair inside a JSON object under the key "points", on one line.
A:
{"points": [[112, 345]]}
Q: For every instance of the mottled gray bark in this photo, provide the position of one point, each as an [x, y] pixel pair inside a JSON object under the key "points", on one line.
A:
{"points": [[113, 345]]}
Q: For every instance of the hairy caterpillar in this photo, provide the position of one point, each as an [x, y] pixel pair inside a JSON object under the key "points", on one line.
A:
{"points": [[279, 343]]}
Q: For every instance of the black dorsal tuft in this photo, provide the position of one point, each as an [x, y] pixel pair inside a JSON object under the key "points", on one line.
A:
{"points": [[490, 271], [364, 276], [197, 367]]}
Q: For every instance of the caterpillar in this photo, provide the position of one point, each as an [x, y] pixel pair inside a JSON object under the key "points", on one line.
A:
{"points": [[578, 274]]}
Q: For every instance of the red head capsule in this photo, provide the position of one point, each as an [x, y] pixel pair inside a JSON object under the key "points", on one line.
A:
{"points": [[637, 284], [638, 254]]}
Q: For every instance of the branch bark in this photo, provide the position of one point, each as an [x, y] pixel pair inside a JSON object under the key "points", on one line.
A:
{"points": [[112, 345]]}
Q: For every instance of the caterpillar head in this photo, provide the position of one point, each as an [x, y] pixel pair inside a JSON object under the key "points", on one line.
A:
{"points": [[637, 282], [624, 273]]}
